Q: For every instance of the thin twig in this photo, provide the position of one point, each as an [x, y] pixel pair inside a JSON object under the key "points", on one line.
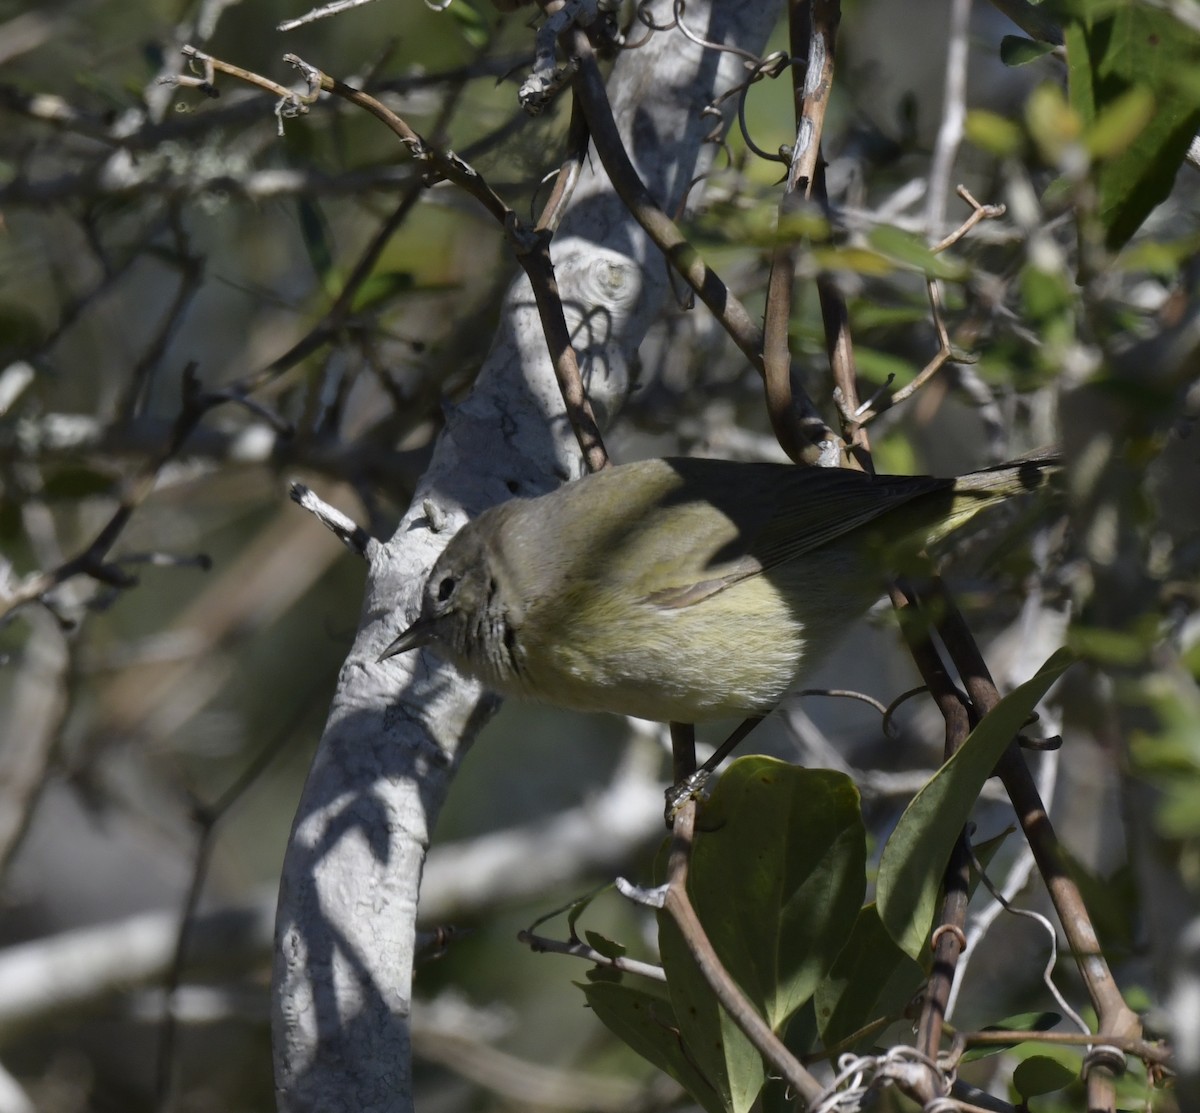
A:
{"points": [[91, 560], [346, 530], [945, 352], [568, 173], [207, 818], [979, 212], [323, 12], [530, 247], [577, 949], [1155, 1054]]}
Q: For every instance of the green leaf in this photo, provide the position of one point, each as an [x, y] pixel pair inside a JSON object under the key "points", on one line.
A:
{"points": [[778, 875], [1041, 1075], [877, 365], [915, 857], [644, 1019], [1052, 122], [1134, 50], [1113, 648], [1016, 50], [609, 948], [730, 1064], [1121, 122], [912, 251], [871, 979], [315, 232], [993, 133], [1161, 259], [382, 287], [472, 24]]}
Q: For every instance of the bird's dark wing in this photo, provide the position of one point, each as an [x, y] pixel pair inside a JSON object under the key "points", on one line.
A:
{"points": [[785, 513]]}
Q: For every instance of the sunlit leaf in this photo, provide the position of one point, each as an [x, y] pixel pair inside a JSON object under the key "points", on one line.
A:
{"points": [[915, 857]]}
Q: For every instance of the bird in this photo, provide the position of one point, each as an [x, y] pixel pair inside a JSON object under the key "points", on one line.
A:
{"points": [[685, 589]]}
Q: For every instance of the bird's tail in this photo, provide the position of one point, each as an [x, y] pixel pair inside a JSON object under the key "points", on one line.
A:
{"points": [[978, 490]]}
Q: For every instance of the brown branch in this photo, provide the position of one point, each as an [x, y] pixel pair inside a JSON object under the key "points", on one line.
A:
{"points": [[813, 28], [338, 313], [732, 314], [687, 261], [979, 212], [948, 936], [817, 36], [1152, 1054], [533, 253], [568, 173], [1116, 1019]]}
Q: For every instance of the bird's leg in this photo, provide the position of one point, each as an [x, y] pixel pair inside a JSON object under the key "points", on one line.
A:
{"points": [[689, 784]]}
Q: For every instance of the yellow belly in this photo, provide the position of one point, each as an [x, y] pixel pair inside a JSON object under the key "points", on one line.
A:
{"points": [[734, 653]]}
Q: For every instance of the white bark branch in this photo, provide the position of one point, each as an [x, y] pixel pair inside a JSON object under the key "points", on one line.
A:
{"points": [[396, 732]]}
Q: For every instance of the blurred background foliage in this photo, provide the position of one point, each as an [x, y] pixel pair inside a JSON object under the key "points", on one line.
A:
{"points": [[146, 228]]}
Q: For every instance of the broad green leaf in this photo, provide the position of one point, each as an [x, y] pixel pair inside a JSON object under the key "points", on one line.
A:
{"points": [[1016, 50], [1134, 50], [872, 978], [993, 133], [912, 251], [1041, 1075], [609, 948], [778, 876], [1121, 122], [730, 1064], [645, 1020], [317, 237], [1052, 122], [915, 857]]}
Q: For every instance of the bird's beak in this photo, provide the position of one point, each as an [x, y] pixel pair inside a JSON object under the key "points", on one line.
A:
{"points": [[418, 634]]}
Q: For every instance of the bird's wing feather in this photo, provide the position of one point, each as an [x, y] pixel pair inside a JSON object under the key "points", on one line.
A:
{"points": [[805, 510]]}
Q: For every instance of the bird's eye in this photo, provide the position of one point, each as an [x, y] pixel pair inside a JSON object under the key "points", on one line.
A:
{"points": [[446, 588]]}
